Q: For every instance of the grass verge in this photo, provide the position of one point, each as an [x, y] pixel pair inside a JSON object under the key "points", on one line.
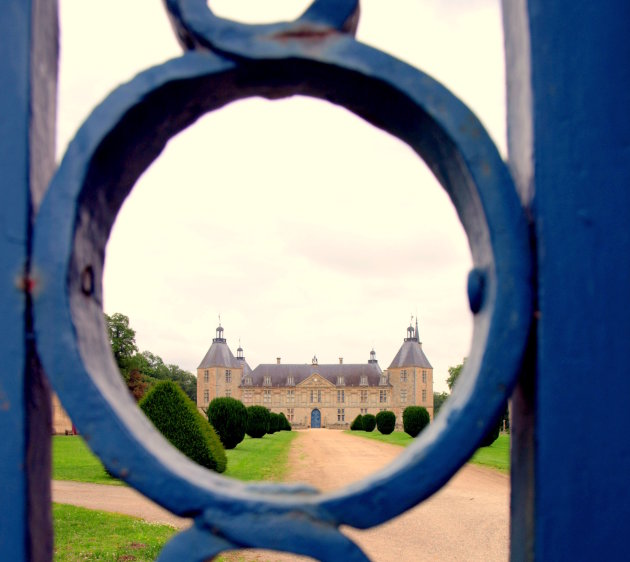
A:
{"points": [[86, 534], [496, 456], [260, 459], [73, 460]]}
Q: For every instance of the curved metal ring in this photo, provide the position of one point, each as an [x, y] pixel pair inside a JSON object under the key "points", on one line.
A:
{"points": [[129, 130], [197, 26]]}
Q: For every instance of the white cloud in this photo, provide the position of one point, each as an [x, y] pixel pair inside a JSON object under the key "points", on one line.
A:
{"points": [[308, 230]]}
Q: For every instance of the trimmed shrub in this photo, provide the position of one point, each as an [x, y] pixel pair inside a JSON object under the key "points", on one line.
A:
{"points": [[369, 422], [385, 422], [357, 424], [284, 422], [257, 421], [274, 422], [228, 416], [415, 419], [177, 418]]}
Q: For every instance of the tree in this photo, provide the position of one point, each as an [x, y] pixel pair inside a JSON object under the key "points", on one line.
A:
{"points": [[257, 421], [438, 400], [136, 385], [122, 338], [386, 422], [453, 374]]}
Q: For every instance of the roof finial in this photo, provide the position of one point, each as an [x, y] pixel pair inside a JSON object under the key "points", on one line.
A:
{"points": [[417, 331]]}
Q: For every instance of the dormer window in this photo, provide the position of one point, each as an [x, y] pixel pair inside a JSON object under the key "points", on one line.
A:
{"points": [[248, 380], [267, 380], [290, 380], [363, 380], [341, 381], [383, 379]]}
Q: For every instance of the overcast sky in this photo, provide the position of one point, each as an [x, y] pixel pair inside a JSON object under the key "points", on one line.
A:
{"points": [[309, 231]]}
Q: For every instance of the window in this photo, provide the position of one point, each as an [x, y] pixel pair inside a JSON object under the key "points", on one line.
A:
{"points": [[382, 398], [364, 411], [403, 395], [206, 376], [290, 381], [267, 380], [290, 396], [247, 395], [424, 376], [228, 392], [363, 380], [267, 396], [248, 380], [341, 381], [341, 396], [364, 396], [403, 375], [316, 396], [290, 414], [341, 414], [206, 396], [228, 375], [383, 379], [424, 395]]}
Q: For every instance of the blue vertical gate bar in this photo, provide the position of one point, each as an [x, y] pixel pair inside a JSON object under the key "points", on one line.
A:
{"points": [[28, 32], [569, 143], [569, 146]]}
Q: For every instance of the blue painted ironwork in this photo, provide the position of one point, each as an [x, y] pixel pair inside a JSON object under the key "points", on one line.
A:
{"points": [[128, 131], [568, 139]]}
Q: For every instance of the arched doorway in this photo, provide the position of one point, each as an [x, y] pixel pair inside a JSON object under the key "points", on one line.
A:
{"points": [[316, 419]]}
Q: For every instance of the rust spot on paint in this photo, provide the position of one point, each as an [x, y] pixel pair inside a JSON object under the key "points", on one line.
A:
{"points": [[305, 34]]}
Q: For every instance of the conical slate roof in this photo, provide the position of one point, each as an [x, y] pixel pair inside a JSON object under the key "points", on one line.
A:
{"points": [[219, 355], [410, 355]]}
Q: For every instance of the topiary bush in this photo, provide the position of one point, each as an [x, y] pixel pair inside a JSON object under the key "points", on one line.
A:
{"points": [[228, 416], [177, 418], [284, 422], [415, 419], [369, 422], [357, 424], [274, 422], [386, 422], [257, 421]]}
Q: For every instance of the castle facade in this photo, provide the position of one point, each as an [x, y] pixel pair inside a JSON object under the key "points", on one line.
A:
{"points": [[319, 395]]}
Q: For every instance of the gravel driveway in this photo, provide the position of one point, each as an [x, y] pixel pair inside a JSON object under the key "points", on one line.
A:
{"points": [[467, 520]]}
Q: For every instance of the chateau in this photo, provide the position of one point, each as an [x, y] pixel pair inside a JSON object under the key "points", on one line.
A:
{"points": [[320, 395]]}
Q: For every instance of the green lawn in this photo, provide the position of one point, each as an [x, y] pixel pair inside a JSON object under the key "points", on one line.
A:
{"points": [[260, 459], [86, 534], [496, 456], [73, 460]]}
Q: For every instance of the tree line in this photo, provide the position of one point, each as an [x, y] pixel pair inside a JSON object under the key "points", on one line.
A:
{"points": [[143, 370]]}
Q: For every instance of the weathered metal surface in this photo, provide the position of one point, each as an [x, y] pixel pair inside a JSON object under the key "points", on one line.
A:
{"points": [[569, 138], [128, 131], [28, 68]]}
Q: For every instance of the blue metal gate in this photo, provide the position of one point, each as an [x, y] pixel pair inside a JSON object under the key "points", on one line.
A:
{"points": [[548, 288], [316, 419]]}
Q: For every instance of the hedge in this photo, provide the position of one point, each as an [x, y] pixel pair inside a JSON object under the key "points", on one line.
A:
{"points": [[385, 422], [257, 421], [228, 416], [415, 419], [357, 424], [369, 422], [177, 418]]}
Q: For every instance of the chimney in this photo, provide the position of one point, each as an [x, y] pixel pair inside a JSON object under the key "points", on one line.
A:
{"points": [[341, 360], [278, 360]]}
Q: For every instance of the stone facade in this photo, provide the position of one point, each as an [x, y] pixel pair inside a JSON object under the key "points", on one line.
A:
{"points": [[314, 395]]}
